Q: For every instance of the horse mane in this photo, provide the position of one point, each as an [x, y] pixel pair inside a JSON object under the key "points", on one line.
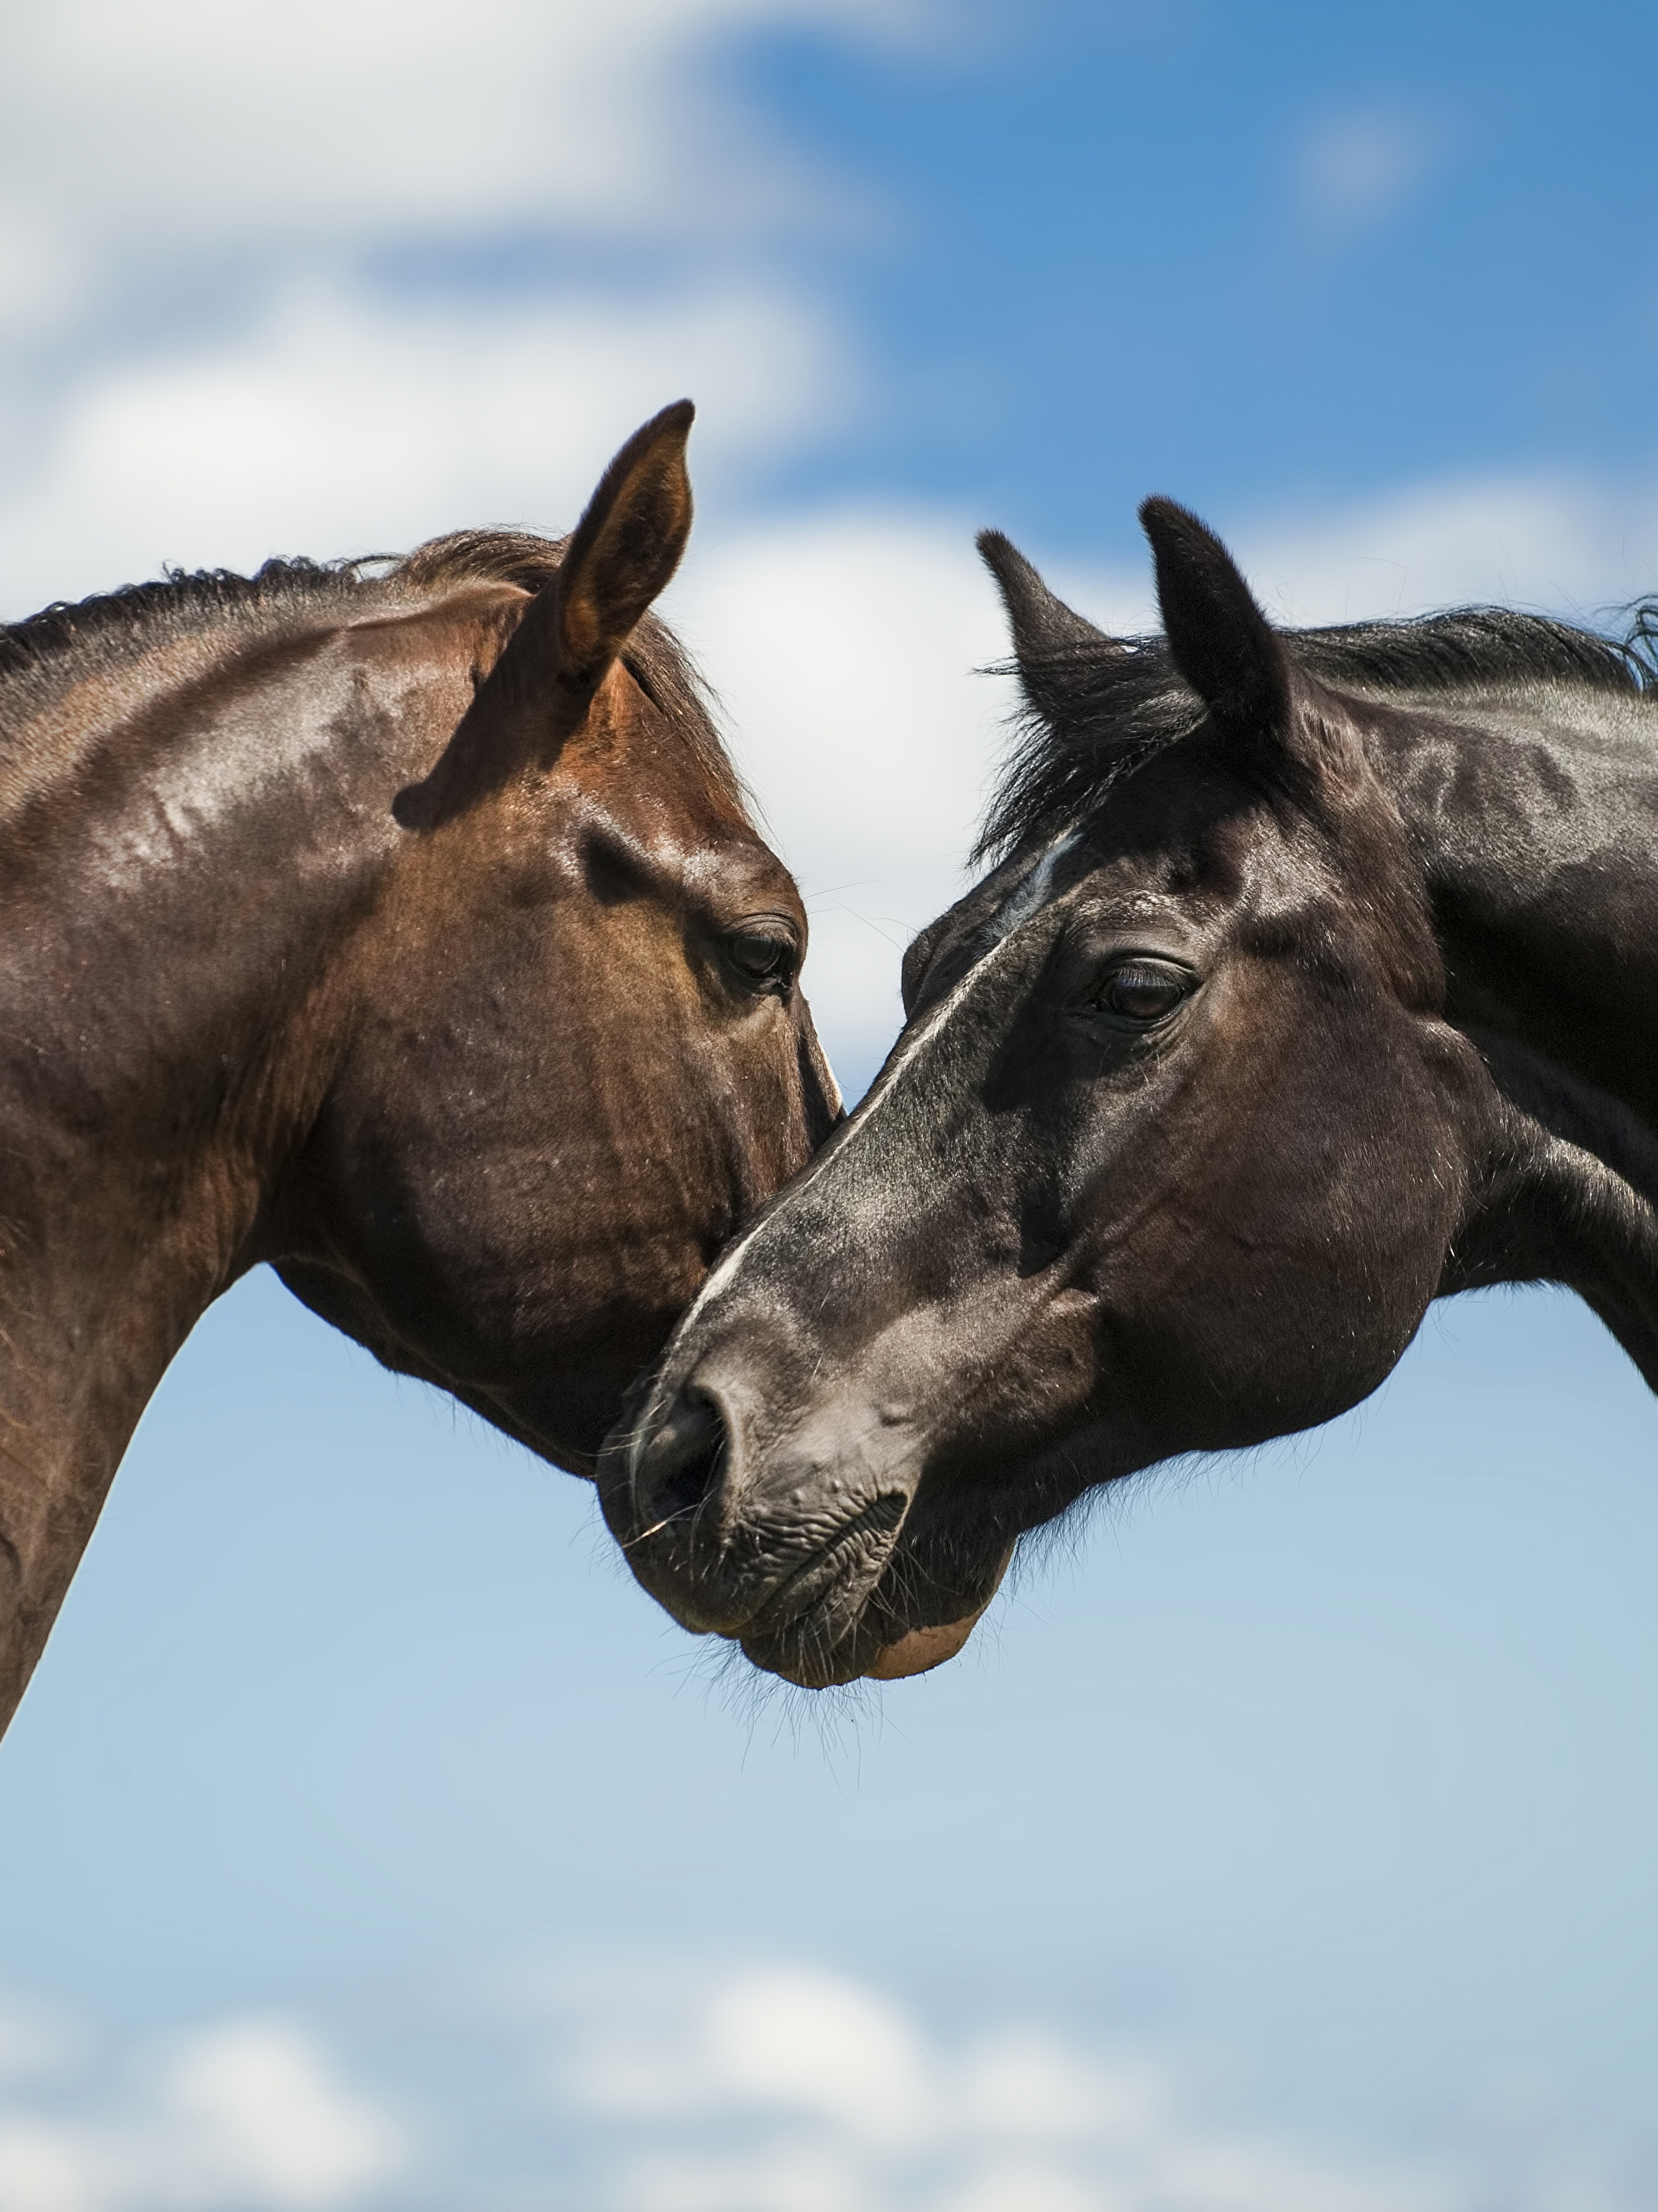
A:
{"points": [[1110, 706], [69, 640]]}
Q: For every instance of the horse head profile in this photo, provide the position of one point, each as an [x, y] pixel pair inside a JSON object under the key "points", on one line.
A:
{"points": [[1316, 977], [405, 929]]}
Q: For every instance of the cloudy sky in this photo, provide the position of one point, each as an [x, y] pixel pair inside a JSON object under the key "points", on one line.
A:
{"points": [[1286, 1838]]}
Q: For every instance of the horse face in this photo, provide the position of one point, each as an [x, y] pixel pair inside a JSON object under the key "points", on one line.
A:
{"points": [[1168, 1158], [578, 1054]]}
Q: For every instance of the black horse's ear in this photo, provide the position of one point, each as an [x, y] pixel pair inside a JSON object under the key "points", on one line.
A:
{"points": [[1220, 641], [1041, 621], [1050, 640]]}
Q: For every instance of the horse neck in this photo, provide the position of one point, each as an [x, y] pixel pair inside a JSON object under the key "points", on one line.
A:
{"points": [[1535, 822], [172, 912]]}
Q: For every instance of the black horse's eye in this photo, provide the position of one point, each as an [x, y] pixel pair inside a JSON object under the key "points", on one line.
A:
{"points": [[763, 958], [1144, 991]]}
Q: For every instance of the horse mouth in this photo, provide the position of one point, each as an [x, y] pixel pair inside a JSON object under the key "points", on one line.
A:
{"points": [[805, 1630], [889, 1621]]}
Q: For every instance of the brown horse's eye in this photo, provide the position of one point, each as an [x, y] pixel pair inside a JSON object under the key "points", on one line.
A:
{"points": [[1144, 991], [764, 958]]}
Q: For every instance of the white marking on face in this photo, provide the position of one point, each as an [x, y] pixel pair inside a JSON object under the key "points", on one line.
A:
{"points": [[1033, 891]]}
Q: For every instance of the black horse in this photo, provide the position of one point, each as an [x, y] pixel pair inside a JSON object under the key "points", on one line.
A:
{"points": [[1318, 979]]}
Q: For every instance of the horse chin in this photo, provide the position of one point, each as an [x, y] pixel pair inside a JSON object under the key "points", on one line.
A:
{"points": [[921, 1650], [929, 1644]]}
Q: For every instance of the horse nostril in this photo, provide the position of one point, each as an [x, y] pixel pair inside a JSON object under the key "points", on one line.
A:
{"points": [[685, 1458]]}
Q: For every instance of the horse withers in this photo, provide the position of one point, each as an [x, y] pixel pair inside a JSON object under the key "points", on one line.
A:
{"points": [[407, 931], [1318, 978]]}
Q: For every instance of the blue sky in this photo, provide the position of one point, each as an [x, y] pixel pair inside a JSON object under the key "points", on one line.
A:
{"points": [[1278, 255], [1285, 1838]]}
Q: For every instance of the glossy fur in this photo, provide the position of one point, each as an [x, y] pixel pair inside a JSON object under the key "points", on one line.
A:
{"points": [[1318, 978], [406, 932]]}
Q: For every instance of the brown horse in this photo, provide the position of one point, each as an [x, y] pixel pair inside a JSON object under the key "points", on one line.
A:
{"points": [[1319, 978], [407, 932]]}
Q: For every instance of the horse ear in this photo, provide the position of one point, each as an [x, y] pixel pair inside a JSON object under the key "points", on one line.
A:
{"points": [[617, 560], [1041, 621], [620, 556], [1049, 639], [1219, 639], [627, 545]]}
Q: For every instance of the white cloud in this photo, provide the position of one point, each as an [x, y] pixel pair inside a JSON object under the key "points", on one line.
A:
{"points": [[1025, 2082], [788, 2039], [844, 648], [1561, 544], [338, 425], [195, 361], [760, 2089], [819, 2044], [177, 129], [270, 2118], [249, 2116], [790, 2090]]}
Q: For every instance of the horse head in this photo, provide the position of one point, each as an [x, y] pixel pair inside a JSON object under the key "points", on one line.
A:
{"points": [[407, 931], [1174, 1152]]}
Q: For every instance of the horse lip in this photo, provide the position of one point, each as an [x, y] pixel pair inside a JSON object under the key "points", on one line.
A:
{"points": [[874, 1643], [813, 1578]]}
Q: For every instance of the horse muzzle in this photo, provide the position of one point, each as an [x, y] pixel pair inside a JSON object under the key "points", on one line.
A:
{"points": [[810, 1565]]}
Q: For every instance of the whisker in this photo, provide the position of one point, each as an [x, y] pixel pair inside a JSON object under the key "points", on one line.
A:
{"points": [[657, 1527]]}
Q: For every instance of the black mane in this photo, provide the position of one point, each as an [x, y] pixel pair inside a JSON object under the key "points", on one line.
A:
{"points": [[1121, 700], [72, 639]]}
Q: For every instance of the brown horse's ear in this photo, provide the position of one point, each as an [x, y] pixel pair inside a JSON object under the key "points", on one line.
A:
{"points": [[617, 559], [620, 556], [1050, 640], [1219, 639]]}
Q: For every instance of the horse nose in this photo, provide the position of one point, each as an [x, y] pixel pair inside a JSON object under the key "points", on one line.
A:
{"points": [[683, 1463]]}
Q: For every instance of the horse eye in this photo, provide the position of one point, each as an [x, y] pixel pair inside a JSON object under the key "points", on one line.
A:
{"points": [[760, 957], [1144, 991]]}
